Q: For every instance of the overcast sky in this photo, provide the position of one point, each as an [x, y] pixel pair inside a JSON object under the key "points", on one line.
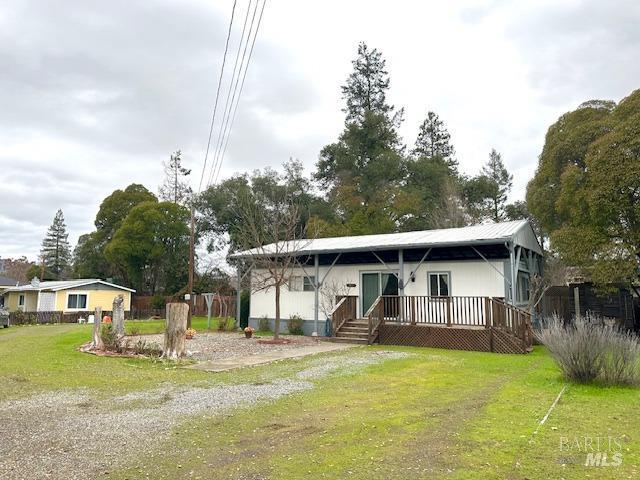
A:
{"points": [[95, 95]]}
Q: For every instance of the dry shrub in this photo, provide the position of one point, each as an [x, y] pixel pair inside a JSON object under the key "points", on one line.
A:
{"points": [[588, 350]]}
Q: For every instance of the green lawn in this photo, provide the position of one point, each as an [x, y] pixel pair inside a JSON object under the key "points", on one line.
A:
{"points": [[434, 414]]}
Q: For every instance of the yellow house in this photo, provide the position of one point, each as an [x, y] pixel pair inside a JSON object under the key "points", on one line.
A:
{"points": [[4, 284], [67, 296]]}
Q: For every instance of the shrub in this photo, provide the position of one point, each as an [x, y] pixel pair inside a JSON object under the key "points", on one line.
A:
{"points": [[110, 338], [263, 324], [157, 302], [589, 350], [142, 347], [134, 330], [294, 324], [226, 324]]}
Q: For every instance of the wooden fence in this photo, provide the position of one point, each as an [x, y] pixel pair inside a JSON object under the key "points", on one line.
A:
{"points": [[51, 317], [222, 306]]}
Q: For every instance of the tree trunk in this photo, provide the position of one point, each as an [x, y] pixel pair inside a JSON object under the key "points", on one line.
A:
{"points": [[97, 344], [175, 331], [276, 327]]}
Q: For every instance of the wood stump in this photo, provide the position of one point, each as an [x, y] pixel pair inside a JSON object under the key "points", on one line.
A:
{"points": [[175, 331], [118, 315], [96, 343]]}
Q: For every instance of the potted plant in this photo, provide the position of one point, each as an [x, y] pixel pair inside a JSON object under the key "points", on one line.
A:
{"points": [[191, 332], [248, 332]]}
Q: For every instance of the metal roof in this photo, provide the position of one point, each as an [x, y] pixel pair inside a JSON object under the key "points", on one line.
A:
{"points": [[7, 281], [56, 285], [518, 231]]}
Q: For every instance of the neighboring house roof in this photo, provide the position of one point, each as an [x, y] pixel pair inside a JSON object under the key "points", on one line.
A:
{"points": [[6, 281], [519, 232], [54, 286]]}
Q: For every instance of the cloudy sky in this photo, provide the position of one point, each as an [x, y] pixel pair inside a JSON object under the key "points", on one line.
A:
{"points": [[95, 95]]}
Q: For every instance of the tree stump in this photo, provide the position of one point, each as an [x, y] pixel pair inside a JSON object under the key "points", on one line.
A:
{"points": [[96, 343], [118, 314], [175, 331]]}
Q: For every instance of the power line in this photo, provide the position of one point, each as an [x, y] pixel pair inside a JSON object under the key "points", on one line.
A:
{"points": [[240, 93], [234, 79], [215, 105]]}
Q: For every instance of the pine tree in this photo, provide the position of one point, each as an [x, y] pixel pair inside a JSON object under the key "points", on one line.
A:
{"points": [[500, 182], [55, 251], [435, 141], [175, 188]]}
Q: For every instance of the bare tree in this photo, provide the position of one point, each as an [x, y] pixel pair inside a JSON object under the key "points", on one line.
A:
{"points": [[330, 292], [269, 231], [554, 274]]}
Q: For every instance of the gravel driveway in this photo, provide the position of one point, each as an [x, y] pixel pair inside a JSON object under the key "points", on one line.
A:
{"points": [[72, 435]]}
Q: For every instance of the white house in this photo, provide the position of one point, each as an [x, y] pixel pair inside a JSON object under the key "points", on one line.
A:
{"points": [[492, 261]]}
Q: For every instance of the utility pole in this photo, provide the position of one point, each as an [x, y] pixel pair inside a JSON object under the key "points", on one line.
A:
{"points": [[191, 263]]}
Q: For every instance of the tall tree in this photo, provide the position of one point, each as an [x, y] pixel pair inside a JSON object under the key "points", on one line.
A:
{"points": [[88, 257], [151, 246], [55, 251], [586, 191], [363, 170], [17, 268], [175, 187], [435, 141], [500, 183]]}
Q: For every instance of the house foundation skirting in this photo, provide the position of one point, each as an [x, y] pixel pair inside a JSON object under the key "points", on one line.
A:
{"points": [[453, 338]]}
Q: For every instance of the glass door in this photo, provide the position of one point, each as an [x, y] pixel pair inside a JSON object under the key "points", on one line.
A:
{"points": [[370, 290], [375, 284]]}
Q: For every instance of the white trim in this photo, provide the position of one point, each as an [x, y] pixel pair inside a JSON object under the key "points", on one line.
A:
{"points": [[76, 292], [91, 282]]}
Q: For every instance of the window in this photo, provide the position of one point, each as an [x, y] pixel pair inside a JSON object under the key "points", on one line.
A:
{"points": [[21, 300], [308, 284], [77, 301], [439, 284], [301, 284], [522, 290]]}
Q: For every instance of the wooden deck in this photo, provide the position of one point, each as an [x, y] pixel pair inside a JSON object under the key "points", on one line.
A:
{"points": [[464, 323]]}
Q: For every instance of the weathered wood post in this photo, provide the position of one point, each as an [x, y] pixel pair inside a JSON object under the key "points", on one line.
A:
{"points": [[175, 331], [96, 343], [118, 314]]}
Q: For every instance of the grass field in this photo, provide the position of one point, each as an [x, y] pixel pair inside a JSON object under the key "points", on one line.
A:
{"points": [[433, 414]]}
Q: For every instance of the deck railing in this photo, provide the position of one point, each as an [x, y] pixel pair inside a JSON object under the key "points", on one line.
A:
{"points": [[344, 310], [467, 311]]}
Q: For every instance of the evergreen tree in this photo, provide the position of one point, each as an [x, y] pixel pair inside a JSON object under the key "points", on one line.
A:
{"points": [[362, 172], [500, 182], [55, 251], [435, 141], [175, 188]]}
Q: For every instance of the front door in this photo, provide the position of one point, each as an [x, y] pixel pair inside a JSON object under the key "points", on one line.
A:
{"points": [[375, 284]]}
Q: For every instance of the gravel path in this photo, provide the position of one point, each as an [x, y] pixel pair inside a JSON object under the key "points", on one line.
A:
{"points": [[222, 345], [68, 434]]}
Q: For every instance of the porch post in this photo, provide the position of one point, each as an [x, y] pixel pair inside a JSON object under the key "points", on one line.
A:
{"points": [[401, 283], [238, 294], [513, 273], [316, 284]]}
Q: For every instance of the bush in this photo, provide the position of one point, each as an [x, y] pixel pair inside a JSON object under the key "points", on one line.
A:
{"points": [[263, 324], [110, 338], [589, 350], [157, 302], [294, 324], [226, 324]]}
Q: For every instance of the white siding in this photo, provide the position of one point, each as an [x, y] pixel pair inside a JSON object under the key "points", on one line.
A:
{"points": [[468, 277]]}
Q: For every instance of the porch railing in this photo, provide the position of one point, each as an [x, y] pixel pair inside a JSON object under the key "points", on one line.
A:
{"points": [[468, 311], [344, 310]]}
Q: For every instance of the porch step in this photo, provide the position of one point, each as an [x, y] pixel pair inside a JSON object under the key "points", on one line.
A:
{"points": [[356, 329], [362, 341]]}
